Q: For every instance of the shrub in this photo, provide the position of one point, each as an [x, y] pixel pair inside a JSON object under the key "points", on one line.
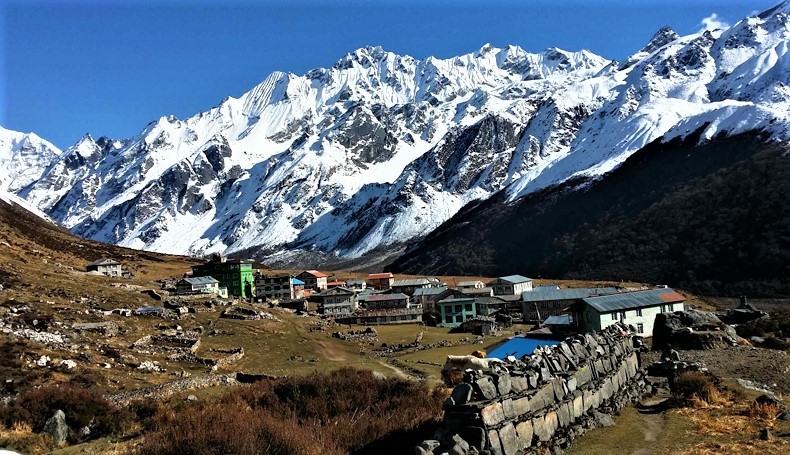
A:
{"points": [[452, 377], [82, 406], [690, 385], [345, 411]]}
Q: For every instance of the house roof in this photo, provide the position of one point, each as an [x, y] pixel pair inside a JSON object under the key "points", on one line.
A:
{"points": [[563, 319], [104, 261], [468, 283], [378, 276], [335, 291], [336, 283], [475, 291], [488, 300], [456, 300], [636, 299], [353, 282], [413, 282], [315, 273], [297, 281], [384, 297], [547, 294], [514, 279], [200, 280], [429, 291]]}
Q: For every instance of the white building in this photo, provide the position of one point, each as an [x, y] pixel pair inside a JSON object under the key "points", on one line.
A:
{"points": [[511, 285], [201, 285], [638, 309]]}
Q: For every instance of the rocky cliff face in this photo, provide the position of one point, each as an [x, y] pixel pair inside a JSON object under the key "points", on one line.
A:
{"points": [[382, 148]]}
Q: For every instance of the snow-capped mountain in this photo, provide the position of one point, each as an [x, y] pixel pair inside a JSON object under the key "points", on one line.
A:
{"points": [[23, 158], [382, 148]]}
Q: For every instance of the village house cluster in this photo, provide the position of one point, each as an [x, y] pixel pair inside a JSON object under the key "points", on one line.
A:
{"points": [[467, 306]]}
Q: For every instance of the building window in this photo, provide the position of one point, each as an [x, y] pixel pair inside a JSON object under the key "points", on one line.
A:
{"points": [[639, 312], [671, 308], [663, 308], [622, 315], [448, 319], [458, 308], [614, 316], [468, 307], [640, 328]]}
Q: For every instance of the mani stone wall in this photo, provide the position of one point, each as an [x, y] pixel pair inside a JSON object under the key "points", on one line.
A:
{"points": [[542, 401]]}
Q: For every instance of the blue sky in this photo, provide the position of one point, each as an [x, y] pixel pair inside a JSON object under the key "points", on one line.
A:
{"points": [[111, 67]]}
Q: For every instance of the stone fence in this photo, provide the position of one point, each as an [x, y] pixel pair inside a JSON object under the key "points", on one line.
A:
{"points": [[542, 401]]}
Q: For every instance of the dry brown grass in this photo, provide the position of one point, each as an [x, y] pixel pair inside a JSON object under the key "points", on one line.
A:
{"points": [[346, 411], [20, 437]]}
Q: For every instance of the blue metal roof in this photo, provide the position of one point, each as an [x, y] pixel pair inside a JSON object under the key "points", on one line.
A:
{"points": [[519, 347], [547, 294], [297, 281], [636, 299]]}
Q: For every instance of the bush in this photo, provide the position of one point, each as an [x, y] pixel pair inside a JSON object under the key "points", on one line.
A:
{"points": [[82, 406], [345, 411], [691, 385]]}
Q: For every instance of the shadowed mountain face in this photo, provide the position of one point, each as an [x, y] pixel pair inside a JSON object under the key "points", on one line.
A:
{"points": [[712, 218]]}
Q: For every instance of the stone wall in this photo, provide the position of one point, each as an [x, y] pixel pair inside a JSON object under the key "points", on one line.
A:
{"points": [[541, 401]]}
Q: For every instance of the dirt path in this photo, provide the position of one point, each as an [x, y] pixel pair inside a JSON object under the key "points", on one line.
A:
{"points": [[398, 372], [653, 423], [332, 352]]}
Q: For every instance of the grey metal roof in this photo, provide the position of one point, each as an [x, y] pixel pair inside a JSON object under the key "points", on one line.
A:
{"points": [[384, 297], [104, 261], [201, 280], [547, 294], [488, 300], [515, 279], [429, 291], [563, 319], [337, 290], [413, 282], [636, 299], [471, 291], [353, 282], [456, 300], [468, 283]]}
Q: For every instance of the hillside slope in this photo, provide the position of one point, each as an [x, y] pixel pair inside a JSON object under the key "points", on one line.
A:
{"points": [[710, 218]]}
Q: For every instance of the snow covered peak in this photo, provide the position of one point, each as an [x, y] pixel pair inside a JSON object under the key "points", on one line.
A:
{"points": [[663, 36], [23, 157], [380, 148]]}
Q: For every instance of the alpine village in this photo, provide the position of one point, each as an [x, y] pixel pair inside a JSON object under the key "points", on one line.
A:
{"points": [[499, 253]]}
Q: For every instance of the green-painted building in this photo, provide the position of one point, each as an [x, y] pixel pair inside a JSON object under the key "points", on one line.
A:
{"points": [[234, 274], [454, 311]]}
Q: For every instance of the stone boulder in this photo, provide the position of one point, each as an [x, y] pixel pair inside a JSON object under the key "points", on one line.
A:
{"points": [[692, 329], [56, 427]]}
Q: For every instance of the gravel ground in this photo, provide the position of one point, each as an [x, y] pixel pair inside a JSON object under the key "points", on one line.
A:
{"points": [[763, 366]]}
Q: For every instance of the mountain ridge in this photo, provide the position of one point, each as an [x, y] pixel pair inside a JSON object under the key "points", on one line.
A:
{"points": [[380, 149]]}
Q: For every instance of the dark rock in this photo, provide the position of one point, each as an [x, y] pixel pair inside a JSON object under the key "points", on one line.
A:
{"points": [[462, 393]]}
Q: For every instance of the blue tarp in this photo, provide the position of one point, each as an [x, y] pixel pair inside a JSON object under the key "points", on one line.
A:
{"points": [[519, 347]]}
